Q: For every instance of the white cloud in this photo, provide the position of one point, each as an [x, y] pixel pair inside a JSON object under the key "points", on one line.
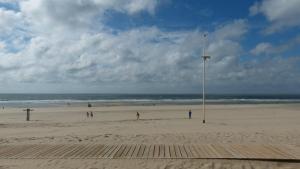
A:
{"points": [[281, 13], [57, 15], [266, 48], [9, 21], [234, 30], [64, 48], [262, 48]]}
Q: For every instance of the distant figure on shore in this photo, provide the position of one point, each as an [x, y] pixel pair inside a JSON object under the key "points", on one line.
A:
{"points": [[190, 114], [137, 115], [3, 107], [92, 115], [87, 114], [89, 105]]}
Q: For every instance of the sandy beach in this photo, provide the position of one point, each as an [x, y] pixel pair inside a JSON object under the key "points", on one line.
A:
{"points": [[277, 124]]}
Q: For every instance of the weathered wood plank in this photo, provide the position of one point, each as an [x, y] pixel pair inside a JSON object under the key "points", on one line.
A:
{"points": [[119, 152], [177, 151], [146, 151], [167, 151], [188, 151], [132, 149], [172, 151], [127, 148], [182, 151], [106, 151], [101, 151], [161, 151], [141, 151], [151, 152], [111, 151], [156, 151], [135, 153]]}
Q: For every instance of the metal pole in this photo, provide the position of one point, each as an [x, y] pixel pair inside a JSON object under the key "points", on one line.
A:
{"points": [[203, 90], [203, 80]]}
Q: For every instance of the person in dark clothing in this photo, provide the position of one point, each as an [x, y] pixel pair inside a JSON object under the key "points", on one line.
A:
{"points": [[92, 115], [137, 115], [190, 114]]}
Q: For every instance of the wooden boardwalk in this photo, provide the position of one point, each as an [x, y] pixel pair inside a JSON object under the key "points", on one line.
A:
{"points": [[157, 151]]}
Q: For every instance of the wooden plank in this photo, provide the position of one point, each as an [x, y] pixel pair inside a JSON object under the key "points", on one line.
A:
{"points": [[101, 151], [146, 151], [182, 151], [156, 151], [63, 152], [151, 152], [172, 151], [281, 153], [87, 150], [127, 149], [106, 150], [135, 153], [130, 152], [73, 154], [19, 152], [188, 151], [93, 153], [177, 151], [195, 151], [213, 151], [222, 151], [167, 151], [119, 152], [208, 151], [161, 151], [111, 151], [141, 151], [242, 152], [35, 154], [28, 151]]}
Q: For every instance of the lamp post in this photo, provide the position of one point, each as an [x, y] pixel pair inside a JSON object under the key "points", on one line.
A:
{"points": [[204, 57]]}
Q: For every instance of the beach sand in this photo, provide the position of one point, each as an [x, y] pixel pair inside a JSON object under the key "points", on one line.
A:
{"points": [[159, 124]]}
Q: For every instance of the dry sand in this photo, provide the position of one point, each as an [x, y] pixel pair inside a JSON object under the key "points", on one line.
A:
{"points": [[245, 124]]}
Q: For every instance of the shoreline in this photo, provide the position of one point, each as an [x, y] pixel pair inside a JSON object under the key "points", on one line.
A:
{"points": [[137, 103]]}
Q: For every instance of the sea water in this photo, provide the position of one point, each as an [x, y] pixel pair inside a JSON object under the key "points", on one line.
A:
{"points": [[34, 100]]}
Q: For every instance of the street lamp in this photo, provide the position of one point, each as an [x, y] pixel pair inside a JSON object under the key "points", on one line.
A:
{"points": [[204, 57]]}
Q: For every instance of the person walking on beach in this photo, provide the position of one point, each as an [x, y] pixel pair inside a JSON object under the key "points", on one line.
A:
{"points": [[190, 114], [87, 114], [137, 115], [92, 115]]}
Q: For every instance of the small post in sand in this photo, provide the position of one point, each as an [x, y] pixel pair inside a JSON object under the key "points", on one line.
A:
{"points": [[28, 110]]}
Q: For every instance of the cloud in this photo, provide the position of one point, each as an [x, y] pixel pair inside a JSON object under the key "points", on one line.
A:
{"points": [[138, 55], [262, 48], [9, 21], [266, 48], [66, 43], [49, 15], [281, 14]]}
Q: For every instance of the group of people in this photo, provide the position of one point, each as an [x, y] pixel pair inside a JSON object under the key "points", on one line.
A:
{"points": [[89, 114]]}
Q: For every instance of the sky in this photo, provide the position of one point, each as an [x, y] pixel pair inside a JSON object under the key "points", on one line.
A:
{"points": [[149, 46]]}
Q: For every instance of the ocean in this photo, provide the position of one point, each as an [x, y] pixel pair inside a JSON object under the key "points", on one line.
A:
{"points": [[36, 100]]}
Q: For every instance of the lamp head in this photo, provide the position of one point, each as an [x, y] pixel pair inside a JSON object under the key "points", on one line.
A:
{"points": [[206, 57]]}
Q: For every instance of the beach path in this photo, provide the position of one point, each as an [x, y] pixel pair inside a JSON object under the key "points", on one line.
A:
{"points": [[156, 151]]}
